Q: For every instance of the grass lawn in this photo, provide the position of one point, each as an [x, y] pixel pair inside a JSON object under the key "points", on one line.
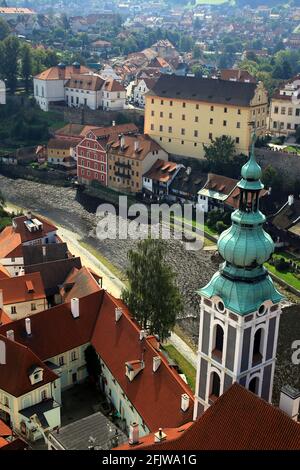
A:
{"points": [[187, 369], [292, 149], [288, 277], [207, 230], [117, 272]]}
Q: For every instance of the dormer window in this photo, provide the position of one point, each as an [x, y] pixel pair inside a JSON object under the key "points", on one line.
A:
{"points": [[36, 375]]}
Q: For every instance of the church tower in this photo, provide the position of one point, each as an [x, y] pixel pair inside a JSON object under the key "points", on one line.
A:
{"points": [[239, 310]]}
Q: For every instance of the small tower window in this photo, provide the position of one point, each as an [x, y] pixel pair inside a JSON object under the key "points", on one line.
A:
{"points": [[218, 342], [254, 385], [258, 347], [214, 386]]}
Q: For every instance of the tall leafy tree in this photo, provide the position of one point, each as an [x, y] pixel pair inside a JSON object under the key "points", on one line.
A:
{"points": [[4, 29], [26, 65], [152, 297], [10, 64], [220, 153]]}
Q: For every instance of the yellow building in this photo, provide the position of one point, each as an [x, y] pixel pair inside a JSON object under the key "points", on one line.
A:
{"points": [[61, 152], [129, 157], [183, 113]]}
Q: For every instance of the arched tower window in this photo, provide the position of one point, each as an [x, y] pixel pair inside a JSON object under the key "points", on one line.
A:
{"points": [[254, 385], [258, 344], [218, 342], [215, 385]]}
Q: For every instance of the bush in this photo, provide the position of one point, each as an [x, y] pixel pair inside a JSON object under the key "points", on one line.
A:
{"points": [[281, 264], [220, 226]]}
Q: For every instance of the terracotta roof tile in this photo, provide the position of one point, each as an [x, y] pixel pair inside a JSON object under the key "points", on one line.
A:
{"points": [[81, 282], [155, 395], [22, 288], [25, 234], [238, 420], [85, 82], [145, 146], [3, 272], [113, 85], [58, 73], [10, 243], [161, 171], [14, 374]]}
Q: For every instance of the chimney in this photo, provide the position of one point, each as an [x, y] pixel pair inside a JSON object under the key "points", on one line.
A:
{"points": [[2, 353], [44, 251], [290, 200], [10, 334], [113, 123], [290, 401], [75, 307], [142, 334], [118, 313], [136, 146], [156, 363], [28, 326], [122, 142], [159, 436], [134, 434], [29, 215], [185, 402], [1, 298]]}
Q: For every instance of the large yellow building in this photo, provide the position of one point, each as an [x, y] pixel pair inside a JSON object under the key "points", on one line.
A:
{"points": [[183, 113]]}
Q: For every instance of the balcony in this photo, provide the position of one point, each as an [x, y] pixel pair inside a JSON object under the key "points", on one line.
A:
{"points": [[122, 175], [123, 165]]}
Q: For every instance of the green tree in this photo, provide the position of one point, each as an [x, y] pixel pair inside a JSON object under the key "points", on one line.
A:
{"points": [[298, 135], [220, 153], [4, 29], [10, 64], [92, 363], [26, 65], [152, 297], [271, 179]]}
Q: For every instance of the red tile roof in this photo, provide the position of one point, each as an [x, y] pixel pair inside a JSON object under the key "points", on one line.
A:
{"points": [[238, 75], [3, 272], [145, 146], [59, 73], [20, 228], [55, 331], [219, 183], [22, 288], [113, 85], [101, 132], [10, 243], [238, 420], [4, 318], [81, 282], [161, 171], [14, 375], [155, 395]]}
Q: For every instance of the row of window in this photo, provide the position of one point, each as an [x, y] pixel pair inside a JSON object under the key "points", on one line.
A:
{"points": [[129, 172], [288, 111], [127, 162], [280, 125], [210, 136], [116, 179], [96, 175], [87, 164], [197, 106], [77, 91], [73, 357], [13, 308]]}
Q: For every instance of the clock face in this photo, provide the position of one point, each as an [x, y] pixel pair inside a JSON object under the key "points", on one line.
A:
{"points": [[262, 310]]}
